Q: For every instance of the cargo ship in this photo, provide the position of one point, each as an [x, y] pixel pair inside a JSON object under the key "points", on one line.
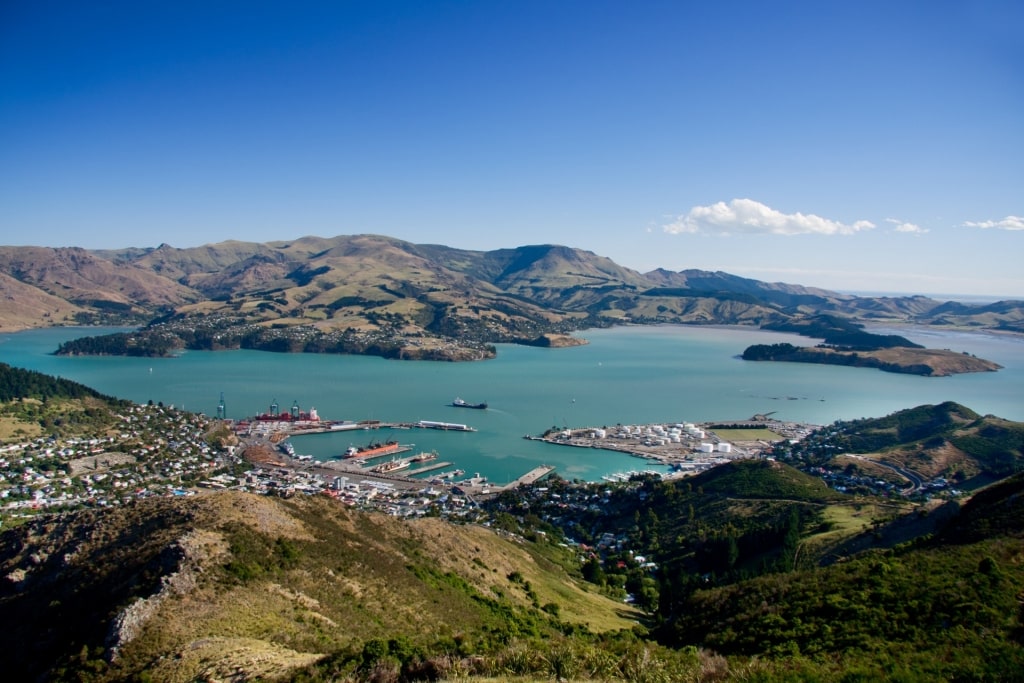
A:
{"points": [[459, 403], [374, 450]]}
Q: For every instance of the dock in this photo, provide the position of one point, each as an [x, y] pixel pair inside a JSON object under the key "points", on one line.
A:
{"points": [[531, 476], [428, 468]]}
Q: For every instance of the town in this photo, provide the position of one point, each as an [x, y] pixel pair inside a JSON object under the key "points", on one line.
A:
{"points": [[161, 451], [154, 450]]}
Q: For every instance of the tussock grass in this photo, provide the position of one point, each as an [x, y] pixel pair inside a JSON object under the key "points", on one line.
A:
{"points": [[306, 577]]}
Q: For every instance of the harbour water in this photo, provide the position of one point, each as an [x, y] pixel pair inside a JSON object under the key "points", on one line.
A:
{"points": [[627, 375]]}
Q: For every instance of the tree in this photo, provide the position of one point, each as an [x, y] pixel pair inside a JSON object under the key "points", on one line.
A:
{"points": [[593, 572]]}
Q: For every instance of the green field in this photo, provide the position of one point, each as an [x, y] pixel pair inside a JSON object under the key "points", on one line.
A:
{"points": [[734, 435]]}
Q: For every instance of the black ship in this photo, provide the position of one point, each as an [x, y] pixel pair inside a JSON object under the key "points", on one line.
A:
{"points": [[459, 403]]}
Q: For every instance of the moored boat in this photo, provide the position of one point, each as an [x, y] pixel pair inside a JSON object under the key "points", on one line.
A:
{"points": [[375, 449], [423, 457], [390, 466]]}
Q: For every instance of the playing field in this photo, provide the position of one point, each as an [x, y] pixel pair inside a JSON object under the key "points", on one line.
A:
{"points": [[740, 435]]}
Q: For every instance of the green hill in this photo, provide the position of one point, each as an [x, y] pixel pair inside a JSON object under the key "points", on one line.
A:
{"points": [[935, 613], [936, 609], [763, 479], [994, 511], [946, 440], [17, 383]]}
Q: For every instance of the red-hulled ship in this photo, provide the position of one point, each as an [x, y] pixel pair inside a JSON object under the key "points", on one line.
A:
{"points": [[373, 450]]}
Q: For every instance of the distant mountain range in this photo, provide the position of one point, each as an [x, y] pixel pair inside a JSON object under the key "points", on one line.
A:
{"points": [[394, 297]]}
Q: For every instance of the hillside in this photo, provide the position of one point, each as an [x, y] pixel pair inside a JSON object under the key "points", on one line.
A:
{"points": [[913, 361], [233, 586], [382, 296], [937, 612], [945, 440], [942, 607], [220, 583]]}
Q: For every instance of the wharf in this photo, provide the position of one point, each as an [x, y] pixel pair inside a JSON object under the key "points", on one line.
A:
{"points": [[531, 476], [428, 468]]}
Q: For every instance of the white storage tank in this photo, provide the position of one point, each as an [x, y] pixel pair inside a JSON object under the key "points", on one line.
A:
{"points": [[707, 448], [599, 433], [724, 447]]}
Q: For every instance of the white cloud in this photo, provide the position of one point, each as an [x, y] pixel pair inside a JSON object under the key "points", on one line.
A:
{"points": [[903, 226], [749, 217], [1008, 223]]}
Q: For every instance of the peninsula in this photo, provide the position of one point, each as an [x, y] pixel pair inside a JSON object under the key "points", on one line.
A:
{"points": [[914, 361]]}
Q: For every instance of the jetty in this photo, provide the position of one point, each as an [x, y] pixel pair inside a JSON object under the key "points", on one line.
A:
{"points": [[531, 476], [428, 468]]}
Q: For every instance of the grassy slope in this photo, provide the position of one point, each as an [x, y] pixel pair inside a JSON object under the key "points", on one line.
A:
{"points": [[265, 583], [942, 608], [945, 439], [301, 281]]}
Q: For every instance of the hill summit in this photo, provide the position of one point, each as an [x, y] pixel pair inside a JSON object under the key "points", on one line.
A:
{"points": [[378, 295]]}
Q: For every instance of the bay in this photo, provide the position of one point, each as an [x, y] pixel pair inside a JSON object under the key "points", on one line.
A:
{"points": [[624, 375]]}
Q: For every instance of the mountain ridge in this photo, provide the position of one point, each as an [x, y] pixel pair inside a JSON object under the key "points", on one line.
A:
{"points": [[413, 300]]}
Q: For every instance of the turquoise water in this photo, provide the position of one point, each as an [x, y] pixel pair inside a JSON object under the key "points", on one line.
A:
{"points": [[626, 375]]}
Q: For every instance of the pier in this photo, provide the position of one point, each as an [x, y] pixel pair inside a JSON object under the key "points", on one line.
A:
{"points": [[428, 468], [531, 476]]}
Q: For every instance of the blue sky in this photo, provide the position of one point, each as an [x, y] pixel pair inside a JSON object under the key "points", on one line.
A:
{"points": [[857, 146]]}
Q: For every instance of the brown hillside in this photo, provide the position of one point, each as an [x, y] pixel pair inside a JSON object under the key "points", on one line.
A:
{"points": [[405, 294], [229, 583]]}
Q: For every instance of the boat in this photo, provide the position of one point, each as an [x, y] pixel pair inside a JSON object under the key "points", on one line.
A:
{"points": [[423, 457], [459, 403], [390, 466], [373, 450]]}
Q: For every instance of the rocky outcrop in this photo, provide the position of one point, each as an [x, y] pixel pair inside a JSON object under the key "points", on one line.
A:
{"points": [[187, 558]]}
